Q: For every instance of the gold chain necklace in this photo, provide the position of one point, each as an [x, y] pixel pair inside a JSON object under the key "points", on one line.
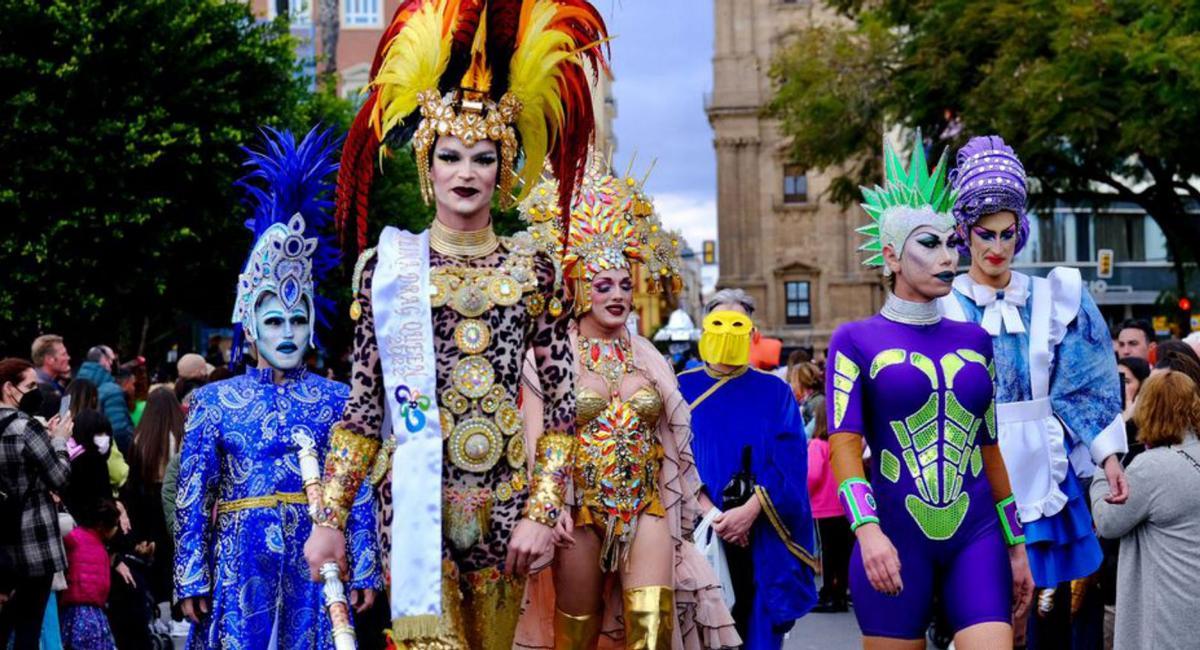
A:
{"points": [[462, 244], [612, 359]]}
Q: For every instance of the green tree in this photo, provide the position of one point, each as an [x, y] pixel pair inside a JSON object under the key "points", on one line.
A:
{"points": [[120, 147], [1101, 98], [123, 127]]}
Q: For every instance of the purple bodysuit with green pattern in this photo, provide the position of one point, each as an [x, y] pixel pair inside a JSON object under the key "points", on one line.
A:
{"points": [[922, 395]]}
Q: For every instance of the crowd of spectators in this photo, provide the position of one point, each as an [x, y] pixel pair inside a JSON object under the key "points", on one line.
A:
{"points": [[87, 464]]}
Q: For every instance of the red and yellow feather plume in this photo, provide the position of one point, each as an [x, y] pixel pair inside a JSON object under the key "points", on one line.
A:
{"points": [[548, 77], [529, 60]]}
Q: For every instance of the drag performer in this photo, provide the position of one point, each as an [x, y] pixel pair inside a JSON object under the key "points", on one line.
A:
{"points": [[624, 573], [937, 513], [1058, 395], [242, 576], [751, 451], [445, 317]]}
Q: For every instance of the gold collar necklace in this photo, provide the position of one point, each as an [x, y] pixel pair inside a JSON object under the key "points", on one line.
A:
{"points": [[465, 244]]}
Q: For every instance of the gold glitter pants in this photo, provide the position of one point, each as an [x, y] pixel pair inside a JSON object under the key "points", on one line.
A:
{"points": [[480, 611]]}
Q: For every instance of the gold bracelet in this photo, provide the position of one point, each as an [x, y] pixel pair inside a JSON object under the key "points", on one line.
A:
{"points": [[551, 470], [350, 458]]}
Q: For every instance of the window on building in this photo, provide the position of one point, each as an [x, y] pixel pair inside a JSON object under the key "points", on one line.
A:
{"points": [[354, 81], [1076, 236], [301, 11], [799, 305], [795, 184], [362, 13], [1056, 237], [1155, 241]]}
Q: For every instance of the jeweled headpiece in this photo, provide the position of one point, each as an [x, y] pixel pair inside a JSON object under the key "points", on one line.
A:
{"points": [[509, 71], [989, 178], [612, 225], [288, 187], [908, 199]]}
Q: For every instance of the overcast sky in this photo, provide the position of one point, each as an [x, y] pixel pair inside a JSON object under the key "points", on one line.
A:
{"points": [[662, 66]]}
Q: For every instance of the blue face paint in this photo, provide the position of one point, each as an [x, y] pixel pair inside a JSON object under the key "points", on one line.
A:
{"points": [[282, 337]]}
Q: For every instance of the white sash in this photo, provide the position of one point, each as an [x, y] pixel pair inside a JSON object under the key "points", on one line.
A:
{"points": [[400, 300]]}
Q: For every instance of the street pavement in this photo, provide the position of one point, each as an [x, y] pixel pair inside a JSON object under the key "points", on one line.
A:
{"points": [[824, 632]]}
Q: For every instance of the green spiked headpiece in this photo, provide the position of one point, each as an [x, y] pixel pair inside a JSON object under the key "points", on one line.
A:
{"points": [[908, 199]]}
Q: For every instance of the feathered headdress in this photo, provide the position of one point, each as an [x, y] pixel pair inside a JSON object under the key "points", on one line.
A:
{"points": [[510, 71], [907, 200], [288, 187], [611, 225]]}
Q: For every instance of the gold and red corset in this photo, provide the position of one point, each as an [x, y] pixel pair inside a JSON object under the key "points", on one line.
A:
{"points": [[617, 461]]}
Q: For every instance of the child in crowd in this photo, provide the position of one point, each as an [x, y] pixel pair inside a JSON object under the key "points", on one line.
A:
{"points": [[84, 624]]}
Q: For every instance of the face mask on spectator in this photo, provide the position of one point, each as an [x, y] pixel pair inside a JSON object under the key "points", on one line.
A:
{"points": [[102, 443], [31, 402]]}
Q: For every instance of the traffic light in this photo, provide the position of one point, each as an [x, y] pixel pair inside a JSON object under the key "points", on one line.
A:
{"points": [[1185, 304], [1104, 263]]}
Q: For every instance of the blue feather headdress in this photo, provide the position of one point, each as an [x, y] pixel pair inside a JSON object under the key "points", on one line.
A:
{"points": [[289, 188]]}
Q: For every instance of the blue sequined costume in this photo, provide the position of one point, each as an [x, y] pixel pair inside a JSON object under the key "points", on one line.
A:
{"points": [[239, 454], [1058, 408]]}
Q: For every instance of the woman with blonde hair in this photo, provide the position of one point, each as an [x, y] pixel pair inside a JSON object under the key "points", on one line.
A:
{"points": [[1159, 525]]}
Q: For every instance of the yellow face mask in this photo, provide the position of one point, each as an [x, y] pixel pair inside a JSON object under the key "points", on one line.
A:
{"points": [[726, 338]]}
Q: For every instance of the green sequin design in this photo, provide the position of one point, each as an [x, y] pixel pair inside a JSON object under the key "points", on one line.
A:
{"points": [[889, 466], [940, 505], [845, 376]]}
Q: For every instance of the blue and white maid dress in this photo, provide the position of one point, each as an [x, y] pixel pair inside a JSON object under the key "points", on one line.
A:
{"points": [[1058, 394]]}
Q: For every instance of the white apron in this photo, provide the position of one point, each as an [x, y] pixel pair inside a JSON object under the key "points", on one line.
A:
{"points": [[1032, 439]]}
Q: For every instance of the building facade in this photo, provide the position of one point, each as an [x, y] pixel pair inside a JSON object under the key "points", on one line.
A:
{"points": [[778, 237]]}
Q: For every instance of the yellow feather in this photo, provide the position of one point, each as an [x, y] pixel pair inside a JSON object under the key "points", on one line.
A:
{"points": [[413, 62], [533, 79]]}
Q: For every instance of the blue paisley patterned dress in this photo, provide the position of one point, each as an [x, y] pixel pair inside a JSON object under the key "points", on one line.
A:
{"points": [[239, 452]]}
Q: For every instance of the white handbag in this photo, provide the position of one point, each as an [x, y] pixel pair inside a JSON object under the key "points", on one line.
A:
{"points": [[709, 544]]}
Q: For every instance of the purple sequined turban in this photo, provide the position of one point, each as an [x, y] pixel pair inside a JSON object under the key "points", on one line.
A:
{"points": [[989, 178]]}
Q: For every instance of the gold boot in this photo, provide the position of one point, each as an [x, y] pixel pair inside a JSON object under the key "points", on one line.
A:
{"points": [[575, 632], [491, 607], [649, 618]]}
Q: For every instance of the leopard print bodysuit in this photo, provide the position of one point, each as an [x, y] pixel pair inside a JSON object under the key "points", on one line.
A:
{"points": [[480, 507]]}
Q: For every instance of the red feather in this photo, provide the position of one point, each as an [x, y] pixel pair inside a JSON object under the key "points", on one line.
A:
{"points": [[568, 154], [470, 13], [355, 174], [503, 23]]}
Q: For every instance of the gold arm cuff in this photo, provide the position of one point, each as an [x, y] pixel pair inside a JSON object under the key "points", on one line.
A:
{"points": [[551, 470], [266, 501], [350, 458], [383, 461], [799, 551]]}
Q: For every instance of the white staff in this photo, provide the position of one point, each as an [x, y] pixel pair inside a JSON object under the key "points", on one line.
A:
{"points": [[336, 604]]}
